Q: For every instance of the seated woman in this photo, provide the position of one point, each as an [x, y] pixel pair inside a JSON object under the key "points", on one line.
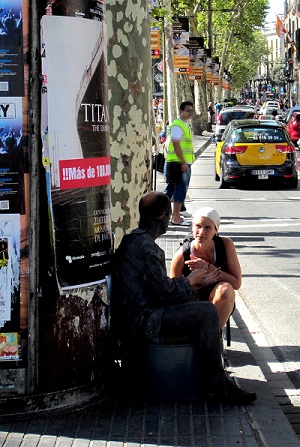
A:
{"points": [[206, 249]]}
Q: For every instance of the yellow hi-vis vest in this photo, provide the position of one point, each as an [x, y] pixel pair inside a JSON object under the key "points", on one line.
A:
{"points": [[186, 144]]}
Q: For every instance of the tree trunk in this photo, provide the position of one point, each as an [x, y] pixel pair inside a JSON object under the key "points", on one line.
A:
{"points": [[184, 91], [199, 122], [169, 64], [130, 109]]}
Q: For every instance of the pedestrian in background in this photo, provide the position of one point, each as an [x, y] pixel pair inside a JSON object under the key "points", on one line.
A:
{"points": [[170, 186], [218, 108], [210, 116], [180, 157]]}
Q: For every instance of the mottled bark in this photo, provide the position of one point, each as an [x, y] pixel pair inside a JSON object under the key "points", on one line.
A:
{"points": [[170, 82], [130, 108], [183, 87], [199, 122]]}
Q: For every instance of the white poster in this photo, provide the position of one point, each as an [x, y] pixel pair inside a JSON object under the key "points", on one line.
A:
{"points": [[76, 149], [9, 264]]}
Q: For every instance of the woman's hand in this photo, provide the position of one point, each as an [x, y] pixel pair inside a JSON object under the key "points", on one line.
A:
{"points": [[196, 263], [212, 277]]}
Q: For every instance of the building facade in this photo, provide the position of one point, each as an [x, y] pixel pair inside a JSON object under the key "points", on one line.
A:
{"points": [[292, 47]]}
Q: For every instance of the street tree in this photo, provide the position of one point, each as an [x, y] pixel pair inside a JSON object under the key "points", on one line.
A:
{"points": [[231, 29], [130, 109], [246, 58], [233, 23]]}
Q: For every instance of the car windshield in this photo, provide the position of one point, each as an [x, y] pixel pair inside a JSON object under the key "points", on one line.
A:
{"points": [[226, 117], [258, 134]]}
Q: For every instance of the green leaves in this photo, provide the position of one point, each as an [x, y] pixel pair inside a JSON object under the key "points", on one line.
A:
{"points": [[235, 32]]}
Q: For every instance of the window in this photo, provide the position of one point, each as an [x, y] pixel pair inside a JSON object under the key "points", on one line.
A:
{"points": [[235, 115], [262, 135]]}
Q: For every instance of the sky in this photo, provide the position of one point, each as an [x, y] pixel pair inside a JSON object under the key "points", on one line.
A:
{"points": [[276, 7]]}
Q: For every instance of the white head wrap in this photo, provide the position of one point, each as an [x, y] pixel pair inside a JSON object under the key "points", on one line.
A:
{"points": [[211, 213]]}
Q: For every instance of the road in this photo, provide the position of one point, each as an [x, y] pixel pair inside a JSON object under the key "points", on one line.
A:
{"points": [[264, 224]]}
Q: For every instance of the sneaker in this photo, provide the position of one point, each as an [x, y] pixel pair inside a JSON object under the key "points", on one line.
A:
{"points": [[234, 395]]}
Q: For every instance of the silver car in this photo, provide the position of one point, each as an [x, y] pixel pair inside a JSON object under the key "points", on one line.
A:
{"points": [[232, 113]]}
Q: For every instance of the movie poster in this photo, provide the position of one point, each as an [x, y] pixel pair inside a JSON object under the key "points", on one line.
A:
{"points": [[11, 156], [75, 134], [86, 9], [9, 346], [11, 49], [10, 272]]}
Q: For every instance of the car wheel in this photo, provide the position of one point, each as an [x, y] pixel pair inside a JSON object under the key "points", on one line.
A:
{"points": [[222, 184], [293, 183]]}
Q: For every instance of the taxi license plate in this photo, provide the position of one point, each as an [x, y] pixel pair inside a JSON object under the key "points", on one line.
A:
{"points": [[260, 172]]}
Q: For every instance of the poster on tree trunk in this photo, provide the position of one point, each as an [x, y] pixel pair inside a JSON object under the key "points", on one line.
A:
{"points": [[181, 39], [197, 60]]}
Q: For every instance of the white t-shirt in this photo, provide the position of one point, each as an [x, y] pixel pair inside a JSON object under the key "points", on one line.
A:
{"points": [[177, 132]]}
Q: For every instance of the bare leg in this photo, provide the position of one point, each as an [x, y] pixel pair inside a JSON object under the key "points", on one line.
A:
{"points": [[223, 297], [176, 212]]}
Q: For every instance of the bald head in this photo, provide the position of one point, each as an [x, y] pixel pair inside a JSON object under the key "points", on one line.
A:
{"points": [[153, 205]]}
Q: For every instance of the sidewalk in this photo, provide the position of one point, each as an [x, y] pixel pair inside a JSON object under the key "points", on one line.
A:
{"points": [[251, 361], [180, 424]]}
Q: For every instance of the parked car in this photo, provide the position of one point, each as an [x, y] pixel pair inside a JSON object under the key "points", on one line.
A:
{"points": [[293, 127], [269, 105], [269, 111], [255, 150], [289, 112], [232, 113], [270, 117], [267, 117]]}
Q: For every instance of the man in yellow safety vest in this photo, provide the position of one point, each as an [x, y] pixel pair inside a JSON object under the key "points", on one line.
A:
{"points": [[180, 157]]}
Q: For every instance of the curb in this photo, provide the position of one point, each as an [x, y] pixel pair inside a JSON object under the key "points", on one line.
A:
{"points": [[203, 147], [273, 385]]}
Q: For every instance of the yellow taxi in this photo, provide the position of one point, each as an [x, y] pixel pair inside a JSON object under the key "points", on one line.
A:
{"points": [[256, 151]]}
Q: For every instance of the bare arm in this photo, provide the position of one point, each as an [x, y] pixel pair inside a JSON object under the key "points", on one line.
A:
{"points": [[177, 264], [234, 275]]}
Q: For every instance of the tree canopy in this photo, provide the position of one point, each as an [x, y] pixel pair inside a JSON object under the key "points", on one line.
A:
{"points": [[231, 28]]}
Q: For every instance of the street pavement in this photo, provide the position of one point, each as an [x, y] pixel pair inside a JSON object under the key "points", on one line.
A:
{"points": [[118, 423]]}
